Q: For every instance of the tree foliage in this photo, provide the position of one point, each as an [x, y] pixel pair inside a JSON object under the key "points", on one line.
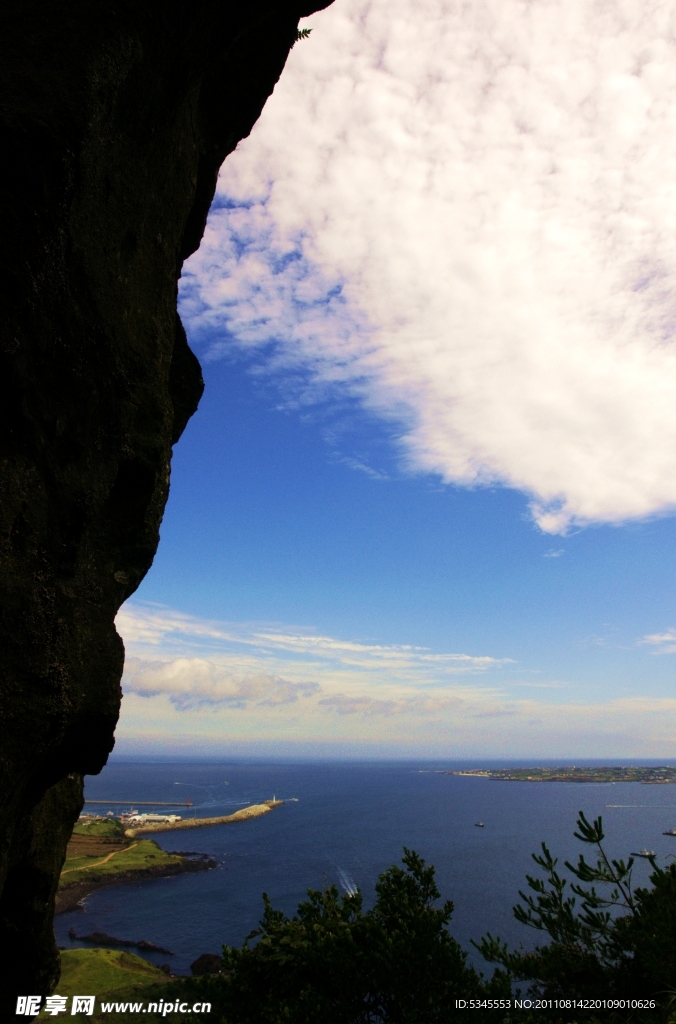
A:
{"points": [[334, 963], [609, 940], [396, 963], [301, 33]]}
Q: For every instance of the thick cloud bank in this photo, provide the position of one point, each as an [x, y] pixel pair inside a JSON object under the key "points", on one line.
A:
{"points": [[466, 215]]}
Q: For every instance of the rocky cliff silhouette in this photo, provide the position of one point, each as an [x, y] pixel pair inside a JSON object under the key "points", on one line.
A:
{"points": [[115, 116]]}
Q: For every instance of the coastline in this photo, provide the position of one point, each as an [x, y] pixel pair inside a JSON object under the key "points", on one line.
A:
{"points": [[644, 775], [68, 896], [93, 876]]}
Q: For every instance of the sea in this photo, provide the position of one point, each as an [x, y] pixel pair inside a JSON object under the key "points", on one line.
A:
{"points": [[345, 823]]}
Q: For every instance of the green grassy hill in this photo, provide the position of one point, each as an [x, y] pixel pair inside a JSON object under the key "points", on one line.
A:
{"points": [[99, 848], [98, 971], [142, 853], [108, 973]]}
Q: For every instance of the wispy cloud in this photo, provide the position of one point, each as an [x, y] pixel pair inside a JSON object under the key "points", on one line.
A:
{"points": [[464, 215], [152, 626], [663, 643], [543, 686], [421, 704], [363, 467]]}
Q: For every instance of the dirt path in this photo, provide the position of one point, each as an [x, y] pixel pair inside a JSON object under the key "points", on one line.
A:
{"points": [[100, 862]]}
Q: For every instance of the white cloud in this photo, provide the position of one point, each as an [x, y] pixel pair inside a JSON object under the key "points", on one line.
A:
{"points": [[151, 624], [465, 214], [664, 643], [148, 626], [192, 682], [195, 663]]}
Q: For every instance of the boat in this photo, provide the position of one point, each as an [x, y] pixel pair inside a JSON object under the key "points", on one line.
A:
{"points": [[671, 832], [644, 853], [479, 824]]}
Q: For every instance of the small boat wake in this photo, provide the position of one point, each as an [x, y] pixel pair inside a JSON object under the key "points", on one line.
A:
{"points": [[347, 883]]}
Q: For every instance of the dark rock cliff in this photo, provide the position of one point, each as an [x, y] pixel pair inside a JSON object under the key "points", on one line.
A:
{"points": [[114, 118]]}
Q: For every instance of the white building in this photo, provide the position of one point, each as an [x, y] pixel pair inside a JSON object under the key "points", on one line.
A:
{"points": [[152, 819]]}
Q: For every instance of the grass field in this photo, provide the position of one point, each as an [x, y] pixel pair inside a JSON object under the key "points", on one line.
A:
{"points": [[108, 973], [116, 977], [98, 971], [142, 853], [100, 848]]}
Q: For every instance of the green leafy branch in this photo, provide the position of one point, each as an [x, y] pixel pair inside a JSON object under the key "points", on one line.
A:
{"points": [[301, 33]]}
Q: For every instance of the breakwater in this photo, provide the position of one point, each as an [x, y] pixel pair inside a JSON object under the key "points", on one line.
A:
{"points": [[253, 811]]}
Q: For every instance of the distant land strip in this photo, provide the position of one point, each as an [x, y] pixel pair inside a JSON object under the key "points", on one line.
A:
{"points": [[571, 773], [253, 811]]}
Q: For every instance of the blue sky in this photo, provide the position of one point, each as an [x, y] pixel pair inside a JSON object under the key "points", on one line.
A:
{"points": [[426, 505]]}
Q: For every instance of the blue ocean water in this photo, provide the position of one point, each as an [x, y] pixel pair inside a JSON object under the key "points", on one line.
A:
{"points": [[346, 823]]}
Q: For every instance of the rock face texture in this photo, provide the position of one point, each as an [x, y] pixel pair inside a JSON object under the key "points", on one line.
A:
{"points": [[115, 116]]}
